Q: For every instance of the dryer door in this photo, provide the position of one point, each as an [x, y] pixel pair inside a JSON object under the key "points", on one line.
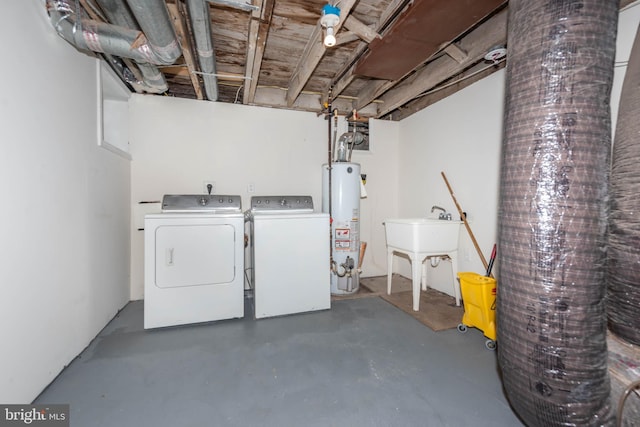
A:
{"points": [[194, 255]]}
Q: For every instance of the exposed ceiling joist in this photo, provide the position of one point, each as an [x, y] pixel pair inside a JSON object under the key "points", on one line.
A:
{"points": [[306, 101], [362, 30], [179, 26], [345, 75], [476, 43], [273, 50], [256, 50], [419, 33], [467, 78], [247, 6], [177, 70], [456, 52], [372, 91], [252, 47], [346, 37], [312, 55]]}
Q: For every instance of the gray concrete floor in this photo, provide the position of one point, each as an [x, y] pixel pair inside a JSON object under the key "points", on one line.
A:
{"points": [[362, 363]]}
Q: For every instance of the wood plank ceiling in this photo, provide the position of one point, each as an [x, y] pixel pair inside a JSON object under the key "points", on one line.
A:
{"points": [[392, 57]]}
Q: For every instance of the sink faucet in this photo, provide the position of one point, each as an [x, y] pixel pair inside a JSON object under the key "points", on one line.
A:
{"points": [[443, 215]]}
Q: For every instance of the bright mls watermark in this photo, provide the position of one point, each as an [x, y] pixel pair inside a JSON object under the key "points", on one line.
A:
{"points": [[34, 415]]}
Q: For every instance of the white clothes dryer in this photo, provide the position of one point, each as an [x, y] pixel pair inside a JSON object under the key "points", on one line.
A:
{"points": [[194, 261]]}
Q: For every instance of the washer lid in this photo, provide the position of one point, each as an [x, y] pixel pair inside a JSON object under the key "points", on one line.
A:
{"points": [[201, 203], [281, 204]]}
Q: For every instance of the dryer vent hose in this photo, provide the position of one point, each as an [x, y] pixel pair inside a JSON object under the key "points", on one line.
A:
{"points": [[553, 211]]}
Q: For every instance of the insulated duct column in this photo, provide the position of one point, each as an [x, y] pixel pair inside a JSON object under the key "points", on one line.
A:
{"points": [[623, 292], [553, 211]]}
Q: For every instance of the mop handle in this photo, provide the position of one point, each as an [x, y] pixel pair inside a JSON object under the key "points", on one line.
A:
{"points": [[466, 224], [491, 261]]}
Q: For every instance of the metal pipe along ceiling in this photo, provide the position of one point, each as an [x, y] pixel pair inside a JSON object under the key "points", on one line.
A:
{"points": [[157, 44], [553, 211], [201, 23]]}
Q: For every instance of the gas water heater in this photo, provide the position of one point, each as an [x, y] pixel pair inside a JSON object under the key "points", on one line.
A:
{"points": [[345, 223]]}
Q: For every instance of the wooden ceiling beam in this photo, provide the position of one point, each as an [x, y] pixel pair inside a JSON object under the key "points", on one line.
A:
{"points": [[461, 81], [276, 98], [372, 90], [456, 52], [477, 43], [346, 37], [363, 31], [311, 56], [255, 52], [247, 6], [91, 12], [252, 43], [345, 75], [177, 70], [178, 24], [313, 53], [438, 93]]}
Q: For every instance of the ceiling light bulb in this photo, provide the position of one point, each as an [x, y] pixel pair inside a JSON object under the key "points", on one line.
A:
{"points": [[330, 18], [330, 39]]}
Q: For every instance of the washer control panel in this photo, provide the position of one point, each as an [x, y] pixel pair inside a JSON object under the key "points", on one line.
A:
{"points": [[280, 204]]}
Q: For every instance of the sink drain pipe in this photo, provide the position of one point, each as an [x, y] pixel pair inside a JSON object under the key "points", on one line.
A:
{"points": [[623, 287], [553, 211]]}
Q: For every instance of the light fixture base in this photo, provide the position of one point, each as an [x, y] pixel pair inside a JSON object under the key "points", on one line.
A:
{"points": [[329, 20]]}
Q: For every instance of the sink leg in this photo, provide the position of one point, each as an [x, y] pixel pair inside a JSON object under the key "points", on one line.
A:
{"points": [[389, 269], [454, 271], [423, 280], [416, 271]]}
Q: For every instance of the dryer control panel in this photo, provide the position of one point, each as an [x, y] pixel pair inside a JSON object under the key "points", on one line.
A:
{"points": [[201, 203]]}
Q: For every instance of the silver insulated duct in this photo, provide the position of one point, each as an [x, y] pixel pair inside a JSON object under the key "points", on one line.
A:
{"points": [[118, 13], [553, 211], [155, 44]]}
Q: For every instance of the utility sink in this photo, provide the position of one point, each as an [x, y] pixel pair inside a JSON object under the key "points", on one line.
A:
{"points": [[423, 235], [421, 238]]}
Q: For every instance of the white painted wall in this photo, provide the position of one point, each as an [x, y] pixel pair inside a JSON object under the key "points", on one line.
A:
{"points": [[178, 144], [64, 221], [380, 164], [460, 136]]}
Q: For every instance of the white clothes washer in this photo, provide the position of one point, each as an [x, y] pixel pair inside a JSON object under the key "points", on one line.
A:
{"points": [[194, 260], [290, 256]]}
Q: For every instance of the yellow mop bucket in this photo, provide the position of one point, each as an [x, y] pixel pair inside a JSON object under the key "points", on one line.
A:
{"points": [[479, 297]]}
